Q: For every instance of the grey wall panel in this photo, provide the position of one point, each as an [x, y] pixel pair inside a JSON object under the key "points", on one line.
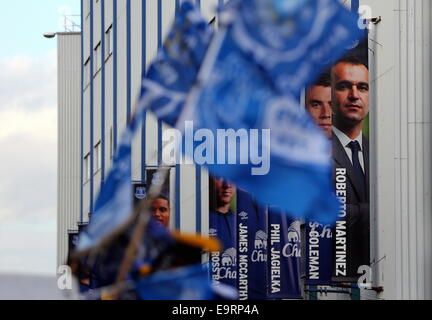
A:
{"points": [[97, 22], [108, 13], [136, 71], [400, 148], [108, 112], [151, 46], [68, 165], [121, 71]]}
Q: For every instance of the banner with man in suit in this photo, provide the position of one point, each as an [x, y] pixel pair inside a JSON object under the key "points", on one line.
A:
{"points": [[350, 102], [338, 102]]}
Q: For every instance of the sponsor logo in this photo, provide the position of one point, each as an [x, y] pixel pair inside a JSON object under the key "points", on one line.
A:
{"points": [[243, 215], [260, 240], [212, 232], [260, 245], [229, 257], [223, 266], [292, 247]]}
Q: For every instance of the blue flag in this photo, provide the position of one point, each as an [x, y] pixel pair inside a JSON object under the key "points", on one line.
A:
{"points": [[250, 82], [113, 205], [186, 283], [172, 74], [169, 77]]}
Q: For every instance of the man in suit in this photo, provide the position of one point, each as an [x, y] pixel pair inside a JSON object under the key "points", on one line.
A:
{"points": [[350, 102]]}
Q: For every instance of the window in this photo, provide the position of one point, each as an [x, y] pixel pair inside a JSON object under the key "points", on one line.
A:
{"points": [[109, 42], [97, 58], [87, 167], [87, 72], [98, 157]]}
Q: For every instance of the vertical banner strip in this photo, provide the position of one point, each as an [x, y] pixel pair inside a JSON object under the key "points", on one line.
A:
{"points": [[223, 226], [355, 5], [284, 256], [252, 247], [351, 234]]}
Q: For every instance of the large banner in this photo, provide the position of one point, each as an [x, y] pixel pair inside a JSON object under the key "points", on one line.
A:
{"points": [[261, 252], [319, 253], [339, 103], [284, 256], [350, 100], [223, 225], [252, 247]]}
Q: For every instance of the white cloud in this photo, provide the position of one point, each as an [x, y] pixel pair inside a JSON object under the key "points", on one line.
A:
{"points": [[28, 163], [28, 247], [28, 82]]}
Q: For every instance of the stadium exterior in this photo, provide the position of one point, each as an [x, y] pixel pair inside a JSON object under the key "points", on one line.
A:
{"points": [[99, 80]]}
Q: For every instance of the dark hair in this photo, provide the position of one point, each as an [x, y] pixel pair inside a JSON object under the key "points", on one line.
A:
{"points": [[161, 196], [323, 80], [352, 60]]}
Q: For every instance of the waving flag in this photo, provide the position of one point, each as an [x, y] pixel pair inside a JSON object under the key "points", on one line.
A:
{"points": [[251, 78], [175, 69], [163, 91], [114, 203]]}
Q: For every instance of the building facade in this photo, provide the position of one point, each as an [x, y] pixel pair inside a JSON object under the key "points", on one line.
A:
{"points": [[119, 40], [69, 142]]}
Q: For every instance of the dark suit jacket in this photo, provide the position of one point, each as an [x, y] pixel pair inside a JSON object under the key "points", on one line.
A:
{"points": [[358, 225]]}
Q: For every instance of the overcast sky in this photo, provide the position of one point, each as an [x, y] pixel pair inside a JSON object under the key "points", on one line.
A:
{"points": [[28, 133]]}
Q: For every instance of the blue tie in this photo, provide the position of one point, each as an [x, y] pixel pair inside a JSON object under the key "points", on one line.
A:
{"points": [[355, 148]]}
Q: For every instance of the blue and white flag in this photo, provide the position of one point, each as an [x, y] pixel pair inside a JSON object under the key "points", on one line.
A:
{"points": [[172, 74], [163, 91], [113, 207], [250, 82]]}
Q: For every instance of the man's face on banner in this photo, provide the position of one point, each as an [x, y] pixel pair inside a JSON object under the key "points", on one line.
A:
{"points": [[318, 104], [161, 211], [350, 83], [225, 191]]}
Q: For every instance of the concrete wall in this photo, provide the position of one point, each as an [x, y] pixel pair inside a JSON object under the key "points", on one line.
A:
{"points": [[69, 127]]}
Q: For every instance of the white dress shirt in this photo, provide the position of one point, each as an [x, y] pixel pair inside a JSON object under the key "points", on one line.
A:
{"points": [[345, 141]]}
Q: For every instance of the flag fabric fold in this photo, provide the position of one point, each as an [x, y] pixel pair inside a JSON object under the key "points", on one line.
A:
{"points": [[175, 69], [164, 89], [185, 283], [113, 205], [252, 77]]}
